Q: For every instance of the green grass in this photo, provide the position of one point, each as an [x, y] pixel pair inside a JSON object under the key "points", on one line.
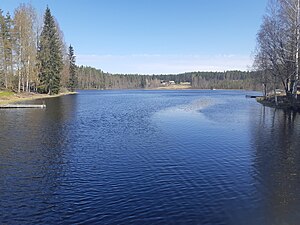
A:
{"points": [[6, 93]]}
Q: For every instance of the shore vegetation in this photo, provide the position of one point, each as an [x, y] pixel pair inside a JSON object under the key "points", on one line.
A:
{"points": [[277, 58], [33, 55]]}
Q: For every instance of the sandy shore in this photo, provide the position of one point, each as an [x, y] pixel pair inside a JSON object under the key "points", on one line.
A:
{"points": [[8, 98]]}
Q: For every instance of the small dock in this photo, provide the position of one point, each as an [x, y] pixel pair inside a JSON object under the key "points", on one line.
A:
{"points": [[24, 106]]}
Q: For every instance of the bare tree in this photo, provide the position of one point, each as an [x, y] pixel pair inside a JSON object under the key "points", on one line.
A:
{"points": [[25, 29], [278, 44], [290, 12], [2, 19], [64, 50]]}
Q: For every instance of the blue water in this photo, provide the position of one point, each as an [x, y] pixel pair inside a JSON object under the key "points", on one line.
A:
{"points": [[150, 157]]}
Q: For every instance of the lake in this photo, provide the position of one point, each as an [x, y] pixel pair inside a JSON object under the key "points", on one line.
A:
{"points": [[150, 157]]}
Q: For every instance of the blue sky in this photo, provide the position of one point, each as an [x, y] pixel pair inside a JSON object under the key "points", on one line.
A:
{"points": [[157, 36]]}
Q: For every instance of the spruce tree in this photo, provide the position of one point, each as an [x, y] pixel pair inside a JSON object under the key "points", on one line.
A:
{"points": [[8, 49], [73, 81], [2, 55], [49, 56]]}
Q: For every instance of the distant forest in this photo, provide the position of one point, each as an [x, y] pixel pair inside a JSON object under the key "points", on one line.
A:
{"points": [[91, 78], [35, 58]]}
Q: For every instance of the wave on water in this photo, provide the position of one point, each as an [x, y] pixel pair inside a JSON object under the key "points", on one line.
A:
{"points": [[194, 106]]}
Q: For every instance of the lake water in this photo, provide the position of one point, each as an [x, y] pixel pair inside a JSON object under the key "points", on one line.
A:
{"points": [[150, 157]]}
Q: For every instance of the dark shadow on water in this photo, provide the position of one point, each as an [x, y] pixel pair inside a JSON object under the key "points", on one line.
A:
{"points": [[276, 137], [33, 159]]}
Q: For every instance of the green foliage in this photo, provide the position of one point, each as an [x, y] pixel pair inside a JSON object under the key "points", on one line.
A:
{"points": [[42, 89], [50, 55], [73, 80], [91, 78], [225, 80], [143, 82]]}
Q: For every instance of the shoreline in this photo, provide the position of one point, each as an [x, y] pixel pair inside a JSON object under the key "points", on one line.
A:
{"points": [[282, 103], [10, 97], [16, 98], [168, 89]]}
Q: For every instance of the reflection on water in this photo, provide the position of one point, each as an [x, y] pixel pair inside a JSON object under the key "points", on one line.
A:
{"points": [[180, 157], [276, 136], [32, 159]]}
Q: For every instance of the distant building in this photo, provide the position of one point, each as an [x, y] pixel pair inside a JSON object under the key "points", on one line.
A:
{"points": [[167, 83]]}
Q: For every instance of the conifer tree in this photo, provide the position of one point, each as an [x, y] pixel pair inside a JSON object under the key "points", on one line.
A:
{"points": [[73, 80], [8, 50], [5, 48], [49, 56]]}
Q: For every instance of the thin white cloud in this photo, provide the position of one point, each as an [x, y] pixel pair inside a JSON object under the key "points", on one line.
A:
{"points": [[164, 64]]}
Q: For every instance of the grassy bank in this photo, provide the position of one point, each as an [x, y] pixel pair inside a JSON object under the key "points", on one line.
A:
{"points": [[7, 97]]}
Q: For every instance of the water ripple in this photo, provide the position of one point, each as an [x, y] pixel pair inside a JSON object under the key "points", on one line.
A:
{"points": [[154, 157]]}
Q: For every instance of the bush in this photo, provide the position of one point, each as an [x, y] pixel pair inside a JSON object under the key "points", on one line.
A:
{"points": [[42, 89]]}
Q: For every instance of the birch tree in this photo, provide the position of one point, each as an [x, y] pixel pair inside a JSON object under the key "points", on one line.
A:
{"points": [[64, 75], [1, 50], [24, 20], [278, 44], [290, 12]]}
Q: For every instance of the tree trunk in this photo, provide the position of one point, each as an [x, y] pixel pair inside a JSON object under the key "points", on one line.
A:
{"points": [[6, 77], [23, 83], [265, 90], [27, 75], [19, 83]]}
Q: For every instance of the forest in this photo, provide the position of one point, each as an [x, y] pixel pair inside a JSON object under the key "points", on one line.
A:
{"points": [[33, 54], [91, 78], [34, 57]]}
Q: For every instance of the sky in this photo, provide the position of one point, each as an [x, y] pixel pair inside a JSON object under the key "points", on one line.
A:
{"points": [[157, 36]]}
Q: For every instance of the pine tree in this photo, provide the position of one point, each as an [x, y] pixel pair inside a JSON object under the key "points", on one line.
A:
{"points": [[49, 56], [73, 80]]}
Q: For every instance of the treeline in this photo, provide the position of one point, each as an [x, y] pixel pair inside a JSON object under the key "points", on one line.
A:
{"points": [[33, 55], [91, 78], [225, 80], [35, 58]]}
